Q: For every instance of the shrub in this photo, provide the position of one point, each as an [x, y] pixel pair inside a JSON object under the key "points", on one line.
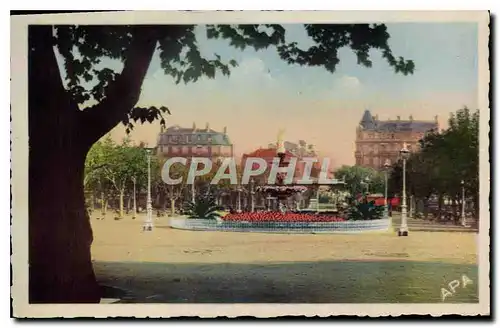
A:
{"points": [[365, 210], [204, 207]]}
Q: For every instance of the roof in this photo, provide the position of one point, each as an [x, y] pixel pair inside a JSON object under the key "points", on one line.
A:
{"points": [[199, 136], [368, 122], [176, 129], [399, 126], [367, 117], [266, 153]]}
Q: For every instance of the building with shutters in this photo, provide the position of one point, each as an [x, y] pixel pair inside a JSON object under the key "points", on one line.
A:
{"points": [[378, 141], [178, 141]]}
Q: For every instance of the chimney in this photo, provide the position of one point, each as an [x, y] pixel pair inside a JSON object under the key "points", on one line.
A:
{"points": [[399, 118], [411, 118], [436, 119], [194, 125], [225, 130], [207, 126]]}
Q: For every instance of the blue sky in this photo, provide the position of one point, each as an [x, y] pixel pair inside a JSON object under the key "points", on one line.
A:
{"points": [[264, 94]]}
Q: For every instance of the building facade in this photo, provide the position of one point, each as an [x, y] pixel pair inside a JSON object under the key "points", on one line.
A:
{"points": [[378, 141], [177, 141]]}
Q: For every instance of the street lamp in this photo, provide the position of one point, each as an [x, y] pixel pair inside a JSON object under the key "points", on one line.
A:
{"points": [[403, 230], [462, 183], [387, 165], [193, 193], [367, 181], [239, 200], [252, 195], [317, 199], [148, 225]]}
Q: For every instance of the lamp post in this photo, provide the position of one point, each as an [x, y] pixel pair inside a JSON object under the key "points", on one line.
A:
{"points": [[367, 181], [403, 230], [317, 199], [462, 216], [270, 205], [193, 193], [252, 195], [135, 199], [238, 209], [148, 225], [411, 207], [387, 165]]}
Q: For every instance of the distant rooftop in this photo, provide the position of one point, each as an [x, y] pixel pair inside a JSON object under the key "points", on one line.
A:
{"points": [[266, 153], [372, 123], [199, 136]]}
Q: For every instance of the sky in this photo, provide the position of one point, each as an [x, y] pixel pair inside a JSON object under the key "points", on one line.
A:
{"points": [[264, 94]]}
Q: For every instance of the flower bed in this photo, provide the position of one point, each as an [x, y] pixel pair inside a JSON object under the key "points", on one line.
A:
{"points": [[280, 217]]}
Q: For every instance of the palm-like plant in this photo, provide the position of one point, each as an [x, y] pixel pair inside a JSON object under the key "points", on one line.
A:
{"points": [[204, 207], [365, 210]]}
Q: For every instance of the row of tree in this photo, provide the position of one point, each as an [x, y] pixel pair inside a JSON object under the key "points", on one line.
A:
{"points": [[448, 160], [119, 171], [112, 169]]}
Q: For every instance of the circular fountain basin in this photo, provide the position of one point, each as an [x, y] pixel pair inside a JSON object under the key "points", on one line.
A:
{"points": [[285, 227]]}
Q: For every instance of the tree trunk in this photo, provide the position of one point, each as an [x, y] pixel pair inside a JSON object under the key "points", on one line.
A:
{"points": [[103, 209], [60, 236], [172, 206], [120, 203], [129, 201], [60, 135], [426, 207], [106, 203]]}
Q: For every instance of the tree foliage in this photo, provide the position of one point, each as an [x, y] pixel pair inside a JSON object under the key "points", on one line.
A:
{"points": [[446, 159], [355, 179], [84, 46], [111, 166]]}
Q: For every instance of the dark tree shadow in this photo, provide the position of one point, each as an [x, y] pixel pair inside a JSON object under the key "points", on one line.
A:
{"points": [[378, 281]]}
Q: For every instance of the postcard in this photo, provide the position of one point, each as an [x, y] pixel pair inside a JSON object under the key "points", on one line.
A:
{"points": [[205, 164]]}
